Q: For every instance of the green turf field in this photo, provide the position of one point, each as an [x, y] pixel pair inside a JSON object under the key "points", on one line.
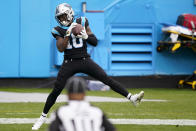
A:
{"points": [[181, 104]]}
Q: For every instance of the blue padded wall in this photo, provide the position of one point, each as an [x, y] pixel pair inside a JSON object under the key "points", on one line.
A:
{"points": [[9, 38], [35, 38], [131, 48], [155, 12], [94, 20], [28, 48]]}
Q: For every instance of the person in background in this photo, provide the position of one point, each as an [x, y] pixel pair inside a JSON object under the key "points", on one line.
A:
{"points": [[79, 115]]}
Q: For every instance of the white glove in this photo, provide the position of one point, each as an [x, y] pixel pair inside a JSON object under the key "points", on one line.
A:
{"points": [[83, 34], [68, 32]]}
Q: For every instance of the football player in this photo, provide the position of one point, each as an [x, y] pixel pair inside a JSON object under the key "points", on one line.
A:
{"points": [[76, 58]]}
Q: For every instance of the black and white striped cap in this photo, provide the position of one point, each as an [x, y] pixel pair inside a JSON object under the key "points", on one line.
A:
{"points": [[76, 85]]}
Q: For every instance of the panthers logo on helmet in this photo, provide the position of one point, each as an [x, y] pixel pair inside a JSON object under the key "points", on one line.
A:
{"points": [[62, 9]]}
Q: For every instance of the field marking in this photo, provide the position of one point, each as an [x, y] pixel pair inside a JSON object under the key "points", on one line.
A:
{"points": [[10, 97], [180, 122]]}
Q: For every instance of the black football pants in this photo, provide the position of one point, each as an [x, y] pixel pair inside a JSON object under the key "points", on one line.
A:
{"points": [[84, 65]]}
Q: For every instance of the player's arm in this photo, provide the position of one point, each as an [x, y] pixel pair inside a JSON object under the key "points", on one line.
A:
{"points": [[88, 35], [91, 37], [62, 43]]}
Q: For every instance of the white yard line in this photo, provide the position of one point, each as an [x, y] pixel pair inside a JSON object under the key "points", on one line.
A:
{"points": [[10, 97], [155, 121], [180, 122]]}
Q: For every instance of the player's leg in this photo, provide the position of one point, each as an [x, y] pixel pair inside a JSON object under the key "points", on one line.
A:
{"points": [[64, 73], [98, 73]]}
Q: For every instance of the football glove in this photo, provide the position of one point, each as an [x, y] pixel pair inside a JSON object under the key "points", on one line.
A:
{"points": [[68, 32], [83, 34]]}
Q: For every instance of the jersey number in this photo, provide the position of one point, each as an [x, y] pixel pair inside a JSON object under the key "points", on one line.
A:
{"points": [[76, 42]]}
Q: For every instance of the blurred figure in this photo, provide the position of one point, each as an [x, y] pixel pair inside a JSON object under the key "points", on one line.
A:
{"points": [[79, 115]]}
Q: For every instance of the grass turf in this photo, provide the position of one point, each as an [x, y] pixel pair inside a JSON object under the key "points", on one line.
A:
{"points": [[27, 127], [180, 105]]}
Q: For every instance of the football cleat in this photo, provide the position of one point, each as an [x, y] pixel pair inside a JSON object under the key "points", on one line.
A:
{"points": [[39, 122], [135, 99]]}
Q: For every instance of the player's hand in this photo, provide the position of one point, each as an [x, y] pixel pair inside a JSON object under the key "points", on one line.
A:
{"points": [[68, 33], [83, 34]]}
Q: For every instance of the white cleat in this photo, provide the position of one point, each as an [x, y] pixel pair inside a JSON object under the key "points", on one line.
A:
{"points": [[135, 99], [39, 122]]}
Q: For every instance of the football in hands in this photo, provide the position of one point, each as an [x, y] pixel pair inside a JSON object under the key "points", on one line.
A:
{"points": [[77, 29]]}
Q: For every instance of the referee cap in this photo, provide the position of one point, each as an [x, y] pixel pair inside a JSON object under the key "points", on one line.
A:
{"points": [[76, 85]]}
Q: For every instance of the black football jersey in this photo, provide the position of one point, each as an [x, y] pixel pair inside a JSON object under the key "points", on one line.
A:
{"points": [[77, 47]]}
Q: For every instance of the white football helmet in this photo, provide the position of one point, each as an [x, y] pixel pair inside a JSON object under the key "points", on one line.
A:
{"points": [[62, 9]]}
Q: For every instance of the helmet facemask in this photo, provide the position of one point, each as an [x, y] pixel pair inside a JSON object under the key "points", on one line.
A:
{"points": [[64, 14]]}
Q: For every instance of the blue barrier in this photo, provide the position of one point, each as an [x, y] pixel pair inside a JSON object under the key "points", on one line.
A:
{"points": [[27, 46]]}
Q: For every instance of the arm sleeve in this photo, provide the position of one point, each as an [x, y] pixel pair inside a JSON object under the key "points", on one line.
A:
{"points": [[56, 123], [92, 40], [79, 20], [55, 33], [107, 125]]}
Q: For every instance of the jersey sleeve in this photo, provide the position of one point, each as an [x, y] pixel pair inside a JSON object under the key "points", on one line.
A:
{"points": [[56, 32], [86, 22], [79, 20]]}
